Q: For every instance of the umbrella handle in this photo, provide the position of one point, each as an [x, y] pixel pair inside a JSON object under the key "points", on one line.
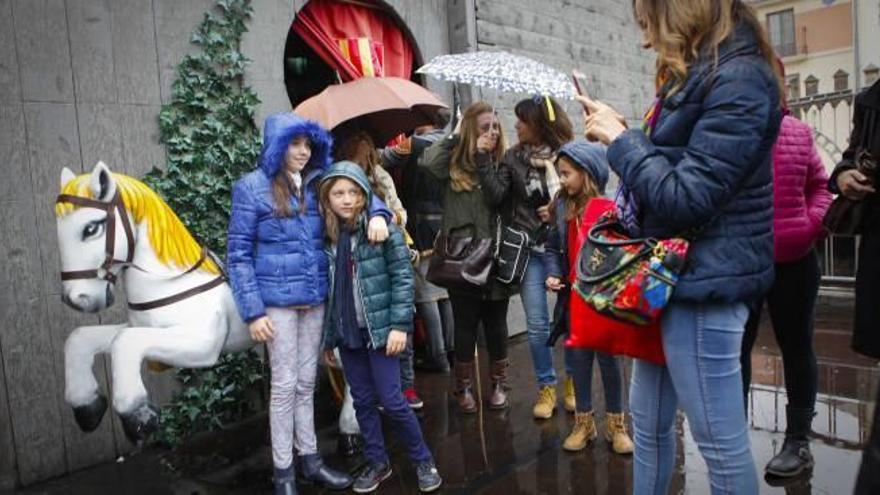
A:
{"points": [[456, 105]]}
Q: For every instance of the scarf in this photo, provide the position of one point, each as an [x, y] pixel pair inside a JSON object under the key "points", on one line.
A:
{"points": [[344, 312], [544, 158]]}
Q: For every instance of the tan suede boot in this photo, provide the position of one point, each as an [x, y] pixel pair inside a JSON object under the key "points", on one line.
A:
{"points": [[583, 433], [616, 435], [463, 391], [546, 403], [498, 370], [568, 394]]}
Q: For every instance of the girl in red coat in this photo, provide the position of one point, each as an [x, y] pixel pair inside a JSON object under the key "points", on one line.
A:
{"points": [[583, 173]]}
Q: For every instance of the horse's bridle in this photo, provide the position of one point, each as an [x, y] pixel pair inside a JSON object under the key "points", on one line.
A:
{"points": [[105, 271]]}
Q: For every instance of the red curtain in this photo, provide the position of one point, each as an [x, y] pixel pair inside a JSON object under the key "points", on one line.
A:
{"points": [[356, 40]]}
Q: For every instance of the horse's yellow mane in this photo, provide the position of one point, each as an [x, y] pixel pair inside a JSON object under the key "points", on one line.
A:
{"points": [[169, 238]]}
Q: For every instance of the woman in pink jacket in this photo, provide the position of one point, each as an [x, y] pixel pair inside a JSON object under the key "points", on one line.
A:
{"points": [[800, 199]]}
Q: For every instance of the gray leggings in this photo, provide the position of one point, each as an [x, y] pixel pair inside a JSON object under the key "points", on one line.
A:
{"points": [[293, 356]]}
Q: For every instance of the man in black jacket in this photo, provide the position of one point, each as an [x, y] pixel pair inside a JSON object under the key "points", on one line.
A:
{"points": [[853, 184]]}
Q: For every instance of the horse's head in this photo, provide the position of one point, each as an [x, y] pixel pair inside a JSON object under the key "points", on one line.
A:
{"points": [[94, 237]]}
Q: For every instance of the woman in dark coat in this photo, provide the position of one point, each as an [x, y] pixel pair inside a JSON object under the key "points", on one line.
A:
{"points": [[700, 166], [857, 186]]}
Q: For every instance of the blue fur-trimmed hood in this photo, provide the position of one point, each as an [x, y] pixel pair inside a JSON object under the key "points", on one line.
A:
{"points": [[279, 129]]}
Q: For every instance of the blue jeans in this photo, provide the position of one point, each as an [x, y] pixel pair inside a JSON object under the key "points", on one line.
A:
{"points": [[702, 376], [407, 374], [533, 293], [582, 371], [374, 379]]}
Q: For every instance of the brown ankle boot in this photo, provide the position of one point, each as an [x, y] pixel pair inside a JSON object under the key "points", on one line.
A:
{"points": [[498, 370], [463, 391]]}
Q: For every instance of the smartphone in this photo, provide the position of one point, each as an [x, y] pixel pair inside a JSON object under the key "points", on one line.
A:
{"points": [[580, 84]]}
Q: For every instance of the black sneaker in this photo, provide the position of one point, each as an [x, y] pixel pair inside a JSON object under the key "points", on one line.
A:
{"points": [[429, 478], [370, 478]]}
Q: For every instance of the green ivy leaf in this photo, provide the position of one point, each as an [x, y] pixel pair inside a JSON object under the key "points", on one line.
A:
{"points": [[211, 139]]}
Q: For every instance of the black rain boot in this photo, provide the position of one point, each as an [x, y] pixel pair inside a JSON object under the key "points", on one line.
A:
{"points": [[794, 457], [284, 481], [314, 470]]}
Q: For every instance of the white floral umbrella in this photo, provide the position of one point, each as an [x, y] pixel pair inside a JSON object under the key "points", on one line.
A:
{"points": [[501, 71]]}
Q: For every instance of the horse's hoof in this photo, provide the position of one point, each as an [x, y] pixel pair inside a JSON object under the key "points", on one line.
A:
{"points": [[348, 445], [142, 422], [89, 416]]}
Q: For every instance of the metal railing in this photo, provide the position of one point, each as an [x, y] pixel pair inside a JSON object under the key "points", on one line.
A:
{"points": [[830, 117], [843, 402]]}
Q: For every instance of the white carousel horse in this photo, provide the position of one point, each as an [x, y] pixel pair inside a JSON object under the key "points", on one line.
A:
{"points": [[181, 312]]}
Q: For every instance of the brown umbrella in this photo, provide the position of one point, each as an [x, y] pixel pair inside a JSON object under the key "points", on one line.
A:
{"points": [[382, 106]]}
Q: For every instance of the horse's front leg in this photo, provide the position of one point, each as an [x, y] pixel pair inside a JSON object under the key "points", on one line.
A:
{"points": [[81, 389], [196, 346]]}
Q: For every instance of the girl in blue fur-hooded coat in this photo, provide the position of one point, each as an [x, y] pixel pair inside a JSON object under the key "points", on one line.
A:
{"points": [[278, 272]]}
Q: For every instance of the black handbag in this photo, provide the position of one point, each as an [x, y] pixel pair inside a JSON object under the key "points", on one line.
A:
{"points": [[512, 256], [845, 216], [463, 263]]}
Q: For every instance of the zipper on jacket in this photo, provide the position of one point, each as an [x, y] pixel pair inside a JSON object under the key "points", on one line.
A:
{"points": [[361, 295], [328, 308]]}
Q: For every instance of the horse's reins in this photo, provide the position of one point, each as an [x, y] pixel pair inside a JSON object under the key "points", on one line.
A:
{"points": [[105, 271]]}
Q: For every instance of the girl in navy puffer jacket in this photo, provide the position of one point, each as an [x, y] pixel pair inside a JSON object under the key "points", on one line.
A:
{"points": [[278, 272]]}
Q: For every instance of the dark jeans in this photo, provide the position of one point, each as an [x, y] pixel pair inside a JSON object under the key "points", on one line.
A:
{"points": [[374, 379], [439, 327], [407, 373], [791, 302], [468, 312], [581, 361]]}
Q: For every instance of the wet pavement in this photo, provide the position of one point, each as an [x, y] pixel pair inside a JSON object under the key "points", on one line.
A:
{"points": [[510, 453]]}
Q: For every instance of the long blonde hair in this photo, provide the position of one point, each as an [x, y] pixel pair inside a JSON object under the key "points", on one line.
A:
{"points": [[360, 148], [679, 30], [331, 220], [462, 169]]}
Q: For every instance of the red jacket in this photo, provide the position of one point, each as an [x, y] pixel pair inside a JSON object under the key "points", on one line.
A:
{"points": [[592, 330], [800, 194]]}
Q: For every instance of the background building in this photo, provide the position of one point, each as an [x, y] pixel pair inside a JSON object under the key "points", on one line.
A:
{"points": [[830, 51]]}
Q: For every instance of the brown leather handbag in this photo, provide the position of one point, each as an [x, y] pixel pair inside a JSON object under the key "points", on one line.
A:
{"points": [[845, 216], [463, 263]]}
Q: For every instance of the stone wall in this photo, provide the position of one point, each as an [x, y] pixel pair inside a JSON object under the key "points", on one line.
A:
{"points": [[597, 37]]}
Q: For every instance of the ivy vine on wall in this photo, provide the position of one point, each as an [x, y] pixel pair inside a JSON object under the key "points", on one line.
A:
{"points": [[210, 138]]}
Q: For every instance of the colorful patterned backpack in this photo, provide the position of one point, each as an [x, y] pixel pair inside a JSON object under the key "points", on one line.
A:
{"points": [[630, 280]]}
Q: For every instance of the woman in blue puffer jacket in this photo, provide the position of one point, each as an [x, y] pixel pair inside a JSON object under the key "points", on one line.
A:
{"points": [[700, 167], [278, 272]]}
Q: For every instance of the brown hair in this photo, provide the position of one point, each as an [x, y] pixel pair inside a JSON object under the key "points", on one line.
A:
{"points": [[360, 148], [462, 169], [331, 220], [533, 112], [283, 187], [679, 30], [575, 204]]}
